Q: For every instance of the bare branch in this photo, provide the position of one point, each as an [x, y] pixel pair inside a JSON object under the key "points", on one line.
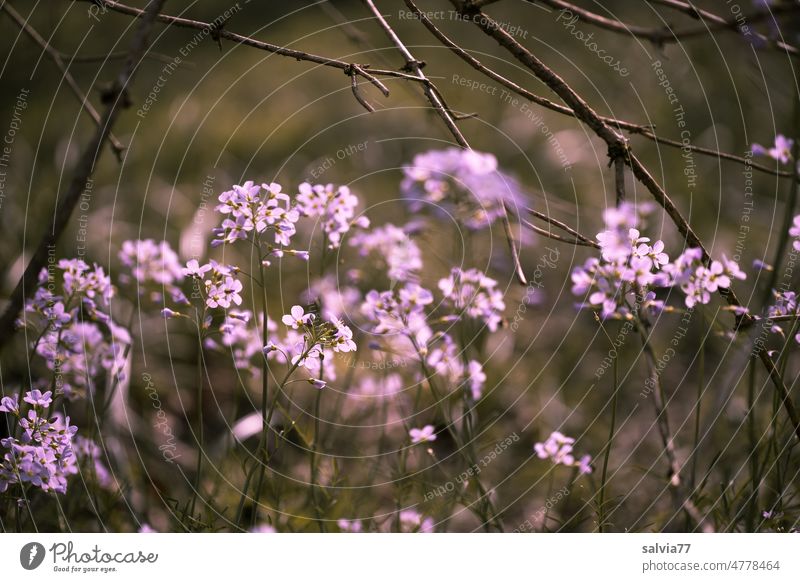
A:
{"points": [[83, 172], [549, 234], [56, 57], [661, 36], [566, 228], [633, 128]]}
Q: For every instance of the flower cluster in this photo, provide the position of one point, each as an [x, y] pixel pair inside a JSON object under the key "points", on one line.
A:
{"points": [[630, 267], [221, 287], [153, 263], [311, 343], [558, 448], [400, 314], [251, 208], [475, 295], [75, 333], [396, 248], [464, 183], [627, 267], [43, 455], [334, 206], [697, 280]]}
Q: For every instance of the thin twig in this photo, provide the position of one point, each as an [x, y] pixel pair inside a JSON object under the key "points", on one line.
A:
{"points": [[565, 227], [57, 59], [437, 102], [248, 41], [549, 234], [83, 172], [661, 36], [645, 131]]}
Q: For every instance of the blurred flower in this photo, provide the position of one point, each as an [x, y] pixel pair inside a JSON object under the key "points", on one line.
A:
{"points": [[412, 521], [400, 253], [475, 295], [794, 231], [780, 151], [558, 448], [349, 526], [462, 183], [335, 206], [424, 434]]}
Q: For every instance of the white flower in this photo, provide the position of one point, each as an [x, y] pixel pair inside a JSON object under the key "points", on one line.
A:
{"points": [[297, 317]]}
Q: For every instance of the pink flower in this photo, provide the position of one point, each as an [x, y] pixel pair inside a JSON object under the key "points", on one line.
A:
{"points": [[421, 435]]}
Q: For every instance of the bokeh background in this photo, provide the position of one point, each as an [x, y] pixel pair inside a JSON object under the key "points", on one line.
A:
{"points": [[229, 113]]}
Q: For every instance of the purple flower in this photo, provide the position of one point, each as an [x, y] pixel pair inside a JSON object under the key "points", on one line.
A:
{"points": [[781, 151], [224, 293], [585, 465], [317, 383], [474, 294], [36, 398], [477, 379], [194, 269], [333, 206], [401, 255], [462, 183], [10, 404], [343, 339]]}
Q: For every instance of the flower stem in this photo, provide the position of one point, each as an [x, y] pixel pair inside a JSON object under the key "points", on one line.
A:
{"points": [[607, 452]]}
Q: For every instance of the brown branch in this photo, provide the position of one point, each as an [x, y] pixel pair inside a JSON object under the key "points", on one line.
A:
{"points": [[619, 178], [566, 228], [661, 36], [633, 128], [551, 235], [783, 391], [357, 92], [57, 59], [716, 22], [83, 171], [251, 42]]}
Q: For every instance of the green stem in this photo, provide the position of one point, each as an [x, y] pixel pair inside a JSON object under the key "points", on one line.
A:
{"points": [[607, 453], [199, 404], [698, 402]]}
